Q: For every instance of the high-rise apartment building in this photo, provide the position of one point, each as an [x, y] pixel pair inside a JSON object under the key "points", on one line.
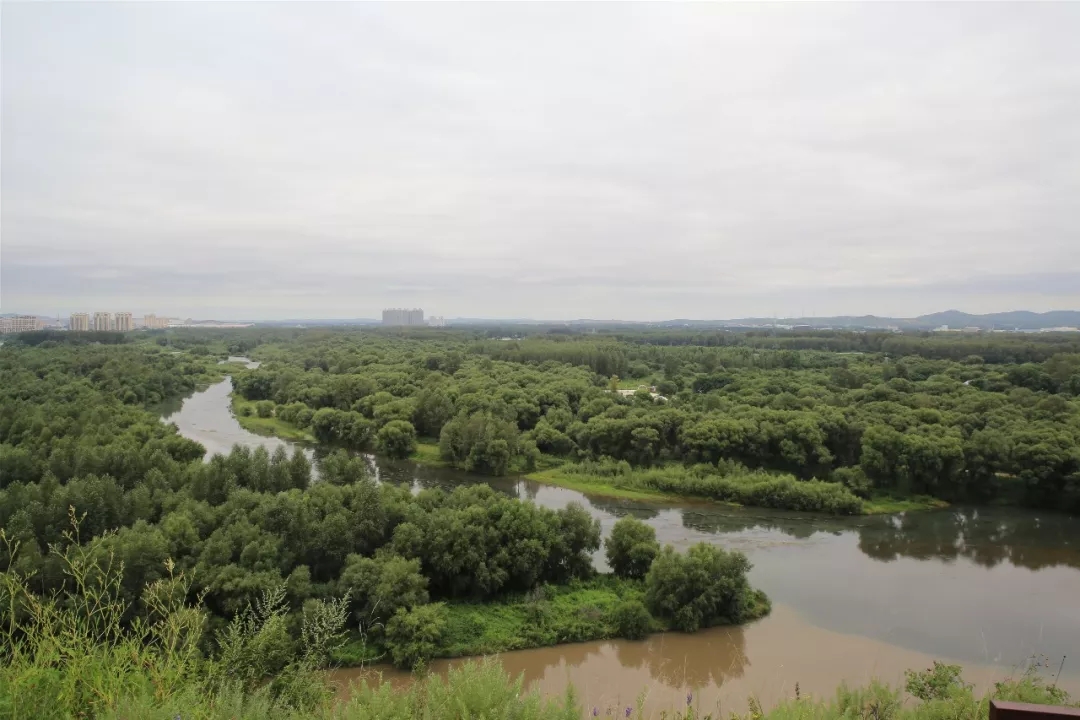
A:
{"points": [[437, 321], [123, 322], [403, 316], [80, 322], [102, 322], [20, 323], [153, 322]]}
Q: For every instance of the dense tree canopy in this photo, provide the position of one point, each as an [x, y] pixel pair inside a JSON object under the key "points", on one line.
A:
{"points": [[990, 417]]}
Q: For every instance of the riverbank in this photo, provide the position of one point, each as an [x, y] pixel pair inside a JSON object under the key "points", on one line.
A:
{"points": [[750, 490], [247, 415], [550, 615]]}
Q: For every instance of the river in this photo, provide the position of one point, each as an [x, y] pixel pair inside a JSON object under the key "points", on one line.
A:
{"points": [[853, 598]]}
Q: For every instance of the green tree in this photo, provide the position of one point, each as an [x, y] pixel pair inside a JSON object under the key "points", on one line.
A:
{"points": [[412, 636], [631, 548], [705, 586], [396, 438], [630, 619]]}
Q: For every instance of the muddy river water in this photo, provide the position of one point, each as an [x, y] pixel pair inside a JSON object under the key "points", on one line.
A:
{"points": [[853, 598]]}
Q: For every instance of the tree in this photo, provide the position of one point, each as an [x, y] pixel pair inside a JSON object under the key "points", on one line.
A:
{"points": [[631, 548], [412, 636], [396, 438], [479, 443], [378, 587], [706, 586], [631, 620]]}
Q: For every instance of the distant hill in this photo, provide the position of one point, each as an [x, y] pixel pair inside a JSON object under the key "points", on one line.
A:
{"points": [[1014, 320]]}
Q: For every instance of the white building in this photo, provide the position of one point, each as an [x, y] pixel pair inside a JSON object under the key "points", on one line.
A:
{"points": [[436, 321], [80, 322], [403, 316], [102, 322], [123, 322]]}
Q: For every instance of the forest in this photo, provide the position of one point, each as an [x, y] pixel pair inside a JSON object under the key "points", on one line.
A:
{"points": [[87, 467], [825, 421], [265, 550]]}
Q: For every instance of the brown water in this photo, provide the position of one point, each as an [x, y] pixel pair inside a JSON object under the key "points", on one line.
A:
{"points": [[719, 667], [853, 598]]}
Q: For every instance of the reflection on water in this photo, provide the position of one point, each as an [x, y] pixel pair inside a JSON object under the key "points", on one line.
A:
{"points": [[987, 537], [721, 666], [987, 587]]}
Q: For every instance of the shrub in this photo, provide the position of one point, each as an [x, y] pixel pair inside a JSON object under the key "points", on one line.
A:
{"points": [[378, 587], [631, 620], [396, 438], [706, 586], [412, 636], [264, 408], [854, 479], [631, 548], [937, 683]]}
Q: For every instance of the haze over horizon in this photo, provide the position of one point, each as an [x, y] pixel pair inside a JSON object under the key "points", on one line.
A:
{"points": [[639, 162]]}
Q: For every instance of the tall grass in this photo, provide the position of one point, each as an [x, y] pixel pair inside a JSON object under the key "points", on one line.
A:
{"points": [[735, 484]]}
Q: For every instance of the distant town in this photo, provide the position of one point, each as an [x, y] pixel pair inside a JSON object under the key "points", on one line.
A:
{"points": [[103, 322], [950, 321]]}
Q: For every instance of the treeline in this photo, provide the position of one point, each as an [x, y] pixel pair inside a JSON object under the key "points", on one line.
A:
{"points": [[33, 338]]}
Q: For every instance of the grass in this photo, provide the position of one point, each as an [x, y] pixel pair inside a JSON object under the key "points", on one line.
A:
{"points": [[427, 452], [735, 486], [888, 504], [596, 486], [270, 426], [549, 615], [646, 485]]}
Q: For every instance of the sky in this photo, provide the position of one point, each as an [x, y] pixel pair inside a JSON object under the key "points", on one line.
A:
{"points": [[259, 160]]}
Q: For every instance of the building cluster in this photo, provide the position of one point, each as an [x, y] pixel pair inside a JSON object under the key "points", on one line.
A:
{"points": [[403, 316], [120, 322], [437, 321], [153, 322], [20, 323]]}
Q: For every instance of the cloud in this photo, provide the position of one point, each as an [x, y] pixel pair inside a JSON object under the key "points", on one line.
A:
{"points": [[553, 161]]}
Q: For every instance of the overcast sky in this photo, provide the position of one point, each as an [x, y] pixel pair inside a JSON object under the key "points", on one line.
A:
{"points": [[271, 160]]}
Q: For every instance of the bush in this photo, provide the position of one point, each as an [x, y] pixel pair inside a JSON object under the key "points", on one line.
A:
{"points": [[378, 587], [396, 438], [412, 636], [631, 620], [854, 479], [937, 683], [631, 548], [706, 586], [264, 408]]}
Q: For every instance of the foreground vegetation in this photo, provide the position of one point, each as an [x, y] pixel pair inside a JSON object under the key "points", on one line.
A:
{"points": [[76, 655]]}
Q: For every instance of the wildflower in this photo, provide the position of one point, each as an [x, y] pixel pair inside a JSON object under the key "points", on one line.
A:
{"points": [[595, 711], [629, 710], [689, 698]]}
